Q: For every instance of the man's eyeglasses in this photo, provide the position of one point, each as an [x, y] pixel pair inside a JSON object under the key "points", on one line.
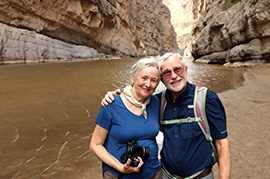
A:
{"points": [[177, 70]]}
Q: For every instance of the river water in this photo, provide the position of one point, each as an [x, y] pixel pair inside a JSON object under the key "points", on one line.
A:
{"points": [[47, 113]]}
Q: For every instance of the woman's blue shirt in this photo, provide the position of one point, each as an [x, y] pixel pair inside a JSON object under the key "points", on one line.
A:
{"points": [[124, 126]]}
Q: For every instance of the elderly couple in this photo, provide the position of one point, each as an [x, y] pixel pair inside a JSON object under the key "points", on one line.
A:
{"points": [[124, 137]]}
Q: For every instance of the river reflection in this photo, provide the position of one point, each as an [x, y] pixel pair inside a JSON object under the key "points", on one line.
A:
{"points": [[47, 113]]}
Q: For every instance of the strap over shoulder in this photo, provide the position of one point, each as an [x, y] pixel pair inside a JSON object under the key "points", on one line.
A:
{"points": [[199, 111]]}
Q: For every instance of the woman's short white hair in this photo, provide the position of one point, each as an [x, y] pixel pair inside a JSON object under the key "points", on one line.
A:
{"points": [[142, 63]]}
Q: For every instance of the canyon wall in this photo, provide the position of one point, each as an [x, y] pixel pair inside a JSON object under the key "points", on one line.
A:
{"points": [[232, 31], [221, 31], [43, 30]]}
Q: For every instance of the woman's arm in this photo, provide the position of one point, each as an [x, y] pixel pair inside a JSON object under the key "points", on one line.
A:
{"points": [[96, 146]]}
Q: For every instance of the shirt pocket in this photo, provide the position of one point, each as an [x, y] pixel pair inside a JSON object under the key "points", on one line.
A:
{"points": [[190, 131]]}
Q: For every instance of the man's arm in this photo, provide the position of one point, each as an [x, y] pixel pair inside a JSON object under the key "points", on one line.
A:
{"points": [[224, 158], [108, 98]]}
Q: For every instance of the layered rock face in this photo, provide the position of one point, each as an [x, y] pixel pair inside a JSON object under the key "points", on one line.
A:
{"points": [[233, 31], [60, 29], [24, 46]]}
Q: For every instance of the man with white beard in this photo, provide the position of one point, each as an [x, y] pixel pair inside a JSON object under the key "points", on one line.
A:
{"points": [[186, 153]]}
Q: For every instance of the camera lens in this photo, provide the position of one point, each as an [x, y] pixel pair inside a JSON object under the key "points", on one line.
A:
{"points": [[143, 152], [146, 152]]}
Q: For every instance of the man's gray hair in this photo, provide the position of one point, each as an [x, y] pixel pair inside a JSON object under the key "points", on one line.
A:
{"points": [[169, 54], [144, 62]]}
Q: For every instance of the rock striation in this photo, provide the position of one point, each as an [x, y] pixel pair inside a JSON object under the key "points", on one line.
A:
{"points": [[43, 30], [233, 31], [24, 46]]}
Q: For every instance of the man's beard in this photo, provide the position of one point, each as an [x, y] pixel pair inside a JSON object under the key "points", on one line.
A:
{"points": [[178, 87]]}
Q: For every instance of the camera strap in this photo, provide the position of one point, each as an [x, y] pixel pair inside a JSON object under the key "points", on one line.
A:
{"points": [[120, 176]]}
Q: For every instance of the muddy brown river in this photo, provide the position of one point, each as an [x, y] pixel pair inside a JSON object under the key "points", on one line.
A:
{"points": [[47, 113]]}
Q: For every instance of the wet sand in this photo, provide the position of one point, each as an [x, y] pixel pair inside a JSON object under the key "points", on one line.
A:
{"points": [[248, 114]]}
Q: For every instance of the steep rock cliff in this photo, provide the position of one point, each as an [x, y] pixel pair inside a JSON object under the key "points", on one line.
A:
{"points": [[115, 27], [233, 31], [183, 15]]}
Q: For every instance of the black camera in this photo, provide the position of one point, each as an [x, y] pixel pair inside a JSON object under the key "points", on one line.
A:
{"points": [[133, 152]]}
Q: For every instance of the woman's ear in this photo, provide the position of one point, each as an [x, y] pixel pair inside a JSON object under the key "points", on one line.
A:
{"points": [[132, 79], [161, 79]]}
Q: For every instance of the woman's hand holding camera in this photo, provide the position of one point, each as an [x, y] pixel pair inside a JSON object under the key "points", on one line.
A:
{"points": [[129, 169]]}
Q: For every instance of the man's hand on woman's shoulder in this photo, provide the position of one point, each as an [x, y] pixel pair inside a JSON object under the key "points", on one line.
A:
{"points": [[108, 98]]}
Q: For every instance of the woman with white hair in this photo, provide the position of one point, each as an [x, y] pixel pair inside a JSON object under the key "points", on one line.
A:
{"points": [[124, 137]]}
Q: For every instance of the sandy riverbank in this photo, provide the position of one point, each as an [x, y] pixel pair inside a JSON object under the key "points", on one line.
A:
{"points": [[248, 114]]}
